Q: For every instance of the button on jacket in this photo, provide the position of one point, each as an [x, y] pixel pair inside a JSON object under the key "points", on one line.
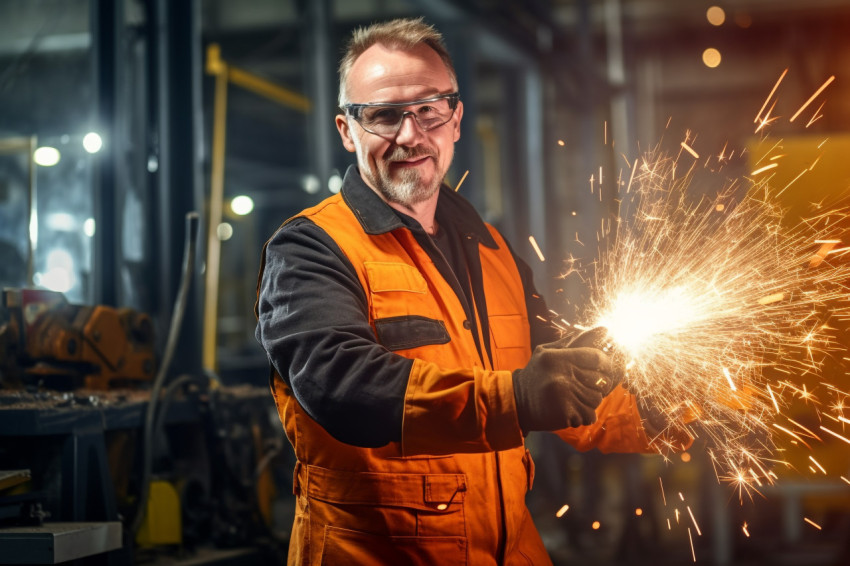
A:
{"points": [[392, 377]]}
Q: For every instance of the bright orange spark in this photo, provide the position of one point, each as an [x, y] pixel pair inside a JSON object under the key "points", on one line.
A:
{"points": [[729, 379], [765, 168], [691, 513], [536, 248], [817, 464], [691, 538], [835, 434], [816, 116], [690, 150], [459, 183], [774, 298], [794, 180], [769, 96], [826, 246], [804, 429], [767, 120], [809, 101], [773, 398], [795, 435]]}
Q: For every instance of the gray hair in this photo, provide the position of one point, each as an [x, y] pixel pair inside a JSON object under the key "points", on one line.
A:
{"points": [[402, 33]]}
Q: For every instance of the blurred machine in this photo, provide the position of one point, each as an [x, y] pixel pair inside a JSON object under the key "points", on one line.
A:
{"points": [[106, 459], [68, 346]]}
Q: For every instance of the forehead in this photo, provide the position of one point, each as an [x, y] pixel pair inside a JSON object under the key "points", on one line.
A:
{"points": [[382, 74]]}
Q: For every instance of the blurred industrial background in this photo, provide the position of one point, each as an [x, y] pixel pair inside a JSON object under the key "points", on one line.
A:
{"points": [[148, 148]]}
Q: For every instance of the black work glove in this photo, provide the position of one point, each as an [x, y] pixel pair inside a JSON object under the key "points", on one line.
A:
{"points": [[562, 384]]}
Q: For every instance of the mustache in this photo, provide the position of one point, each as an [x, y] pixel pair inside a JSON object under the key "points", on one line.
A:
{"points": [[400, 153]]}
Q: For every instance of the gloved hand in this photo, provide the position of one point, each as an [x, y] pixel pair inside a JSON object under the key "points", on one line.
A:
{"points": [[562, 385]]}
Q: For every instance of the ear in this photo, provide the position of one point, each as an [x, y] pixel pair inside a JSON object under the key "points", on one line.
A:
{"points": [[458, 115], [344, 130]]}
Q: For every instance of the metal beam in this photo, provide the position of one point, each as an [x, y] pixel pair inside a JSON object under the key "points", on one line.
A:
{"points": [[176, 40], [106, 25], [322, 71]]}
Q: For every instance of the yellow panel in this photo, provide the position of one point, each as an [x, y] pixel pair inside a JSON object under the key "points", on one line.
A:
{"points": [[816, 171], [814, 168]]}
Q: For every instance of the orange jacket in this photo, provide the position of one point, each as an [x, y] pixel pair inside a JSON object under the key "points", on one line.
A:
{"points": [[453, 490]]}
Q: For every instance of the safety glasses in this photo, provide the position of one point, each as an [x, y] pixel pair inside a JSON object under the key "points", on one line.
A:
{"points": [[385, 118]]}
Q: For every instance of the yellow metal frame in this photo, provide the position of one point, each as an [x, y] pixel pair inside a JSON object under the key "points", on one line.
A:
{"points": [[226, 74]]}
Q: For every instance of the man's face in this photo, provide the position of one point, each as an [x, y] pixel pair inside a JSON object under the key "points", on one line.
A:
{"points": [[408, 168]]}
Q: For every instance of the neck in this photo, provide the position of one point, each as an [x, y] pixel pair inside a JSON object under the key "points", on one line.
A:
{"points": [[423, 212]]}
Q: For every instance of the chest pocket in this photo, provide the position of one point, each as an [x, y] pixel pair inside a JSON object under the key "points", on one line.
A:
{"points": [[511, 338], [404, 311], [505, 330]]}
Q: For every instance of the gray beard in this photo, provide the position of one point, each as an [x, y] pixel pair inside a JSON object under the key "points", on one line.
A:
{"points": [[407, 191]]}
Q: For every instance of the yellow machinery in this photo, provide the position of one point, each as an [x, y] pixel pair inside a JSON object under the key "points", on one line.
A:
{"points": [[162, 523], [72, 345]]}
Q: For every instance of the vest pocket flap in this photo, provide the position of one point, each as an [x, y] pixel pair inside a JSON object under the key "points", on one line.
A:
{"points": [[504, 328], [421, 491], [403, 332], [444, 488], [386, 276]]}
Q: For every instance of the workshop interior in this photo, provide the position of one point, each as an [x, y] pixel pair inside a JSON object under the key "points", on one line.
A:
{"points": [[148, 149]]}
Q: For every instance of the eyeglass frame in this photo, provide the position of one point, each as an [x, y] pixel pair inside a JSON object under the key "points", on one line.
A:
{"points": [[354, 109]]}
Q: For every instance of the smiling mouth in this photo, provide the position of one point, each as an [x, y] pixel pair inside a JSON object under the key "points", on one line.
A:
{"points": [[415, 162]]}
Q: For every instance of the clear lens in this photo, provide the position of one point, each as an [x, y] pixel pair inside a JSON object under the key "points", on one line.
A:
{"points": [[381, 116]]}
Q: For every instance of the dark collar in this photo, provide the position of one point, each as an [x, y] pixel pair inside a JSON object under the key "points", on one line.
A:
{"points": [[377, 217]]}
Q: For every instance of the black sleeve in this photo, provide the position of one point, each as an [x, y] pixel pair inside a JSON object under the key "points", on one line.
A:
{"points": [[314, 326], [539, 316]]}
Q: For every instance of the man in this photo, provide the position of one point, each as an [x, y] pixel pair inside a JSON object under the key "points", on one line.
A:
{"points": [[400, 328]]}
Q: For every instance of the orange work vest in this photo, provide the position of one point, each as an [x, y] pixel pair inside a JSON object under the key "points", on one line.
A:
{"points": [[452, 492]]}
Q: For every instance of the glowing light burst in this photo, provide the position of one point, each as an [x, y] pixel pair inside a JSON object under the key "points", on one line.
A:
{"points": [[638, 315], [701, 295]]}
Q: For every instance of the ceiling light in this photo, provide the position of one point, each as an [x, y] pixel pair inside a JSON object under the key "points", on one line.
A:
{"points": [[92, 142], [242, 205], [224, 231], [715, 15], [310, 184], [711, 57], [46, 156], [335, 183]]}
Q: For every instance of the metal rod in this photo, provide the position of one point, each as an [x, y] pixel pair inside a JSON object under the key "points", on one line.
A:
{"points": [[213, 263], [270, 90]]}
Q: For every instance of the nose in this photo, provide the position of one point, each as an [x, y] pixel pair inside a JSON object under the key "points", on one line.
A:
{"points": [[409, 132]]}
